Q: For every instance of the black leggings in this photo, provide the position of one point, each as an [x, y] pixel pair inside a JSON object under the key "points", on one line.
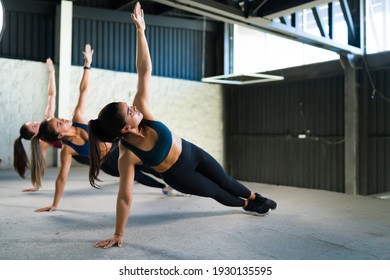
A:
{"points": [[198, 173], [110, 167], [146, 180]]}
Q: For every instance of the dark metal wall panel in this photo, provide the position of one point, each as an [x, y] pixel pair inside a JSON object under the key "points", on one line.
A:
{"points": [[113, 44], [375, 131], [288, 161], [289, 108], [262, 122], [29, 32], [262, 127], [176, 45]]}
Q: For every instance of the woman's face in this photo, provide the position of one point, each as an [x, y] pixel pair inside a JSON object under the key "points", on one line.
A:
{"points": [[133, 116], [33, 127], [60, 126]]}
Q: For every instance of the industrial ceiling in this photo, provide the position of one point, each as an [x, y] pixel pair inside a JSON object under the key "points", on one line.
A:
{"points": [[279, 17]]}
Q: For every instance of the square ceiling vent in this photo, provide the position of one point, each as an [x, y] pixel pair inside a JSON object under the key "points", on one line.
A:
{"points": [[242, 79]]}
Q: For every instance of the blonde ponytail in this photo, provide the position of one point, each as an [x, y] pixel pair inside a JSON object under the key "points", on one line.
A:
{"points": [[38, 164]]}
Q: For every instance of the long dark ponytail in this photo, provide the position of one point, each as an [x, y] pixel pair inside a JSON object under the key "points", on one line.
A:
{"points": [[21, 162], [94, 153], [106, 128]]}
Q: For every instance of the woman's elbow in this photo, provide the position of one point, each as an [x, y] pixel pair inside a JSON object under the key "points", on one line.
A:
{"points": [[145, 69], [61, 180]]}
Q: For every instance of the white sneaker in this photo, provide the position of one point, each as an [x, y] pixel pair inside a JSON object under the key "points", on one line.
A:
{"points": [[167, 190]]}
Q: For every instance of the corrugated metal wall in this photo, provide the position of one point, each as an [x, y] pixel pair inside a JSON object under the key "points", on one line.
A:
{"points": [[375, 127], [263, 124], [263, 121], [178, 47], [29, 31]]}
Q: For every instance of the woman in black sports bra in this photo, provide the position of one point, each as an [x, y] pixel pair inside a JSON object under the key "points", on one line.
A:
{"points": [[144, 140]]}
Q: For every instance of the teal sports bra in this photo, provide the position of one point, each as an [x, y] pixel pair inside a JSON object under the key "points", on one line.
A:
{"points": [[160, 150], [82, 150]]}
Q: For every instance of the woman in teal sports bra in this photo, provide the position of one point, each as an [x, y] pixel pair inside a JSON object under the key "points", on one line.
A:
{"points": [[145, 140], [72, 133]]}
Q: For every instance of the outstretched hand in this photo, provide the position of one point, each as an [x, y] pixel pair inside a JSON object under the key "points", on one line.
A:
{"points": [[107, 243], [32, 189], [138, 17], [46, 209], [88, 53], [49, 64]]}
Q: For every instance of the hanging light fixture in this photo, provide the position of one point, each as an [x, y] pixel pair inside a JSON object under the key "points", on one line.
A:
{"points": [[242, 79]]}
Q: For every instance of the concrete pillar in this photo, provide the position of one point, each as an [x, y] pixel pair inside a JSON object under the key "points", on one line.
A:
{"points": [[351, 123], [64, 48]]}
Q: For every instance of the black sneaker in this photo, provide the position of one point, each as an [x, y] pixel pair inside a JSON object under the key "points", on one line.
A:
{"points": [[263, 200], [256, 208]]}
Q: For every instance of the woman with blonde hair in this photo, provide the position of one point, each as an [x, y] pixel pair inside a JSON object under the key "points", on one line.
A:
{"points": [[72, 133]]}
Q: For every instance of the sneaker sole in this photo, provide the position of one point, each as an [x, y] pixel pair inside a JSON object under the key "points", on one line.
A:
{"points": [[167, 193], [255, 213]]}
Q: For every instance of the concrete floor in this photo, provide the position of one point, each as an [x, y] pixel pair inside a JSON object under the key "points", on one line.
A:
{"points": [[307, 225]]}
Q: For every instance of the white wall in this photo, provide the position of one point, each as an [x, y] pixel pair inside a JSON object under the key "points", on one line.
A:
{"points": [[193, 110]]}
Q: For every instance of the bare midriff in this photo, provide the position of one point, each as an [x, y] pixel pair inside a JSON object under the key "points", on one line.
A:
{"points": [[172, 156]]}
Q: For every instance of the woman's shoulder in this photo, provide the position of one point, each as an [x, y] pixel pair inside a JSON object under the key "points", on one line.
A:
{"points": [[74, 123], [84, 126], [126, 156], [79, 120], [68, 150]]}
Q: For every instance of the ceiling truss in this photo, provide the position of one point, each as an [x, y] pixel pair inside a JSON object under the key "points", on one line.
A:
{"points": [[283, 20]]}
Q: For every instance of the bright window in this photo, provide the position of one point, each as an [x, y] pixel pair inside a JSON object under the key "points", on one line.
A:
{"points": [[257, 51], [377, 25]]}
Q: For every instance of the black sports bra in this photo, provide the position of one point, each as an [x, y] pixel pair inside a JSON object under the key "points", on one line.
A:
{"points": [[160, 150]]}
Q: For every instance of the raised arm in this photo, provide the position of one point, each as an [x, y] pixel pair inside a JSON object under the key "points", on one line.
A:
{"points": [[51, 91], [78, 115], [143, 63]]}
